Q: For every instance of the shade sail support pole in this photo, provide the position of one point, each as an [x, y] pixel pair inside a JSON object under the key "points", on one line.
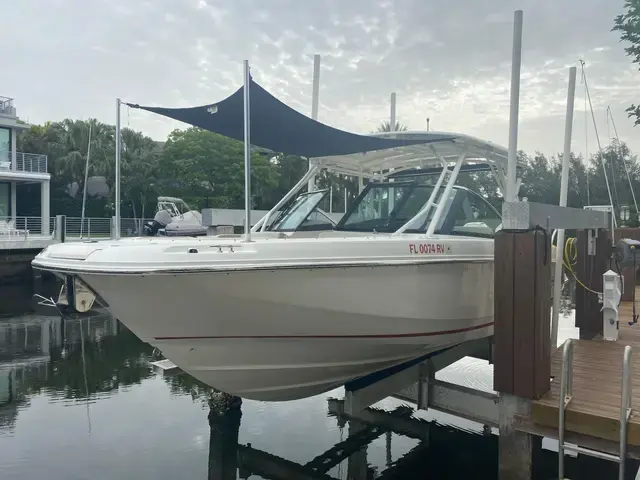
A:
{"points": [[116, 231], [315, 97], [247, 154]]}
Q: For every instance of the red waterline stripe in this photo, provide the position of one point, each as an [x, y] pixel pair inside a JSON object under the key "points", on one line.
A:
{"points": [[396, 335]]}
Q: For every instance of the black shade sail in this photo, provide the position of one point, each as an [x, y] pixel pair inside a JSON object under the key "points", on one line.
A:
{"points": [[277, 127]]}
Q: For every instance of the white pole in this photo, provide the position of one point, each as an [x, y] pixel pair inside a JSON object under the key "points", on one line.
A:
{"points": [[516, 60], [86, 178], [345, 199], [564, 185], [118, 149], [392, 116], [392, 123], [331, 199], [247, 154], [315, 97]]}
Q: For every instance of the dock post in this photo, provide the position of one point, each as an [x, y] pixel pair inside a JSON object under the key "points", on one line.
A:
{"points": [[522, 342], [590, 268], [61, 228]]}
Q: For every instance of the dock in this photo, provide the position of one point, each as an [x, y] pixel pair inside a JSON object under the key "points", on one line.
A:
{"points": [[594, 408]]}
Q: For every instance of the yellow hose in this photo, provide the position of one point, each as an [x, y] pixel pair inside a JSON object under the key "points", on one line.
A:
{"points": [[569, 260]]}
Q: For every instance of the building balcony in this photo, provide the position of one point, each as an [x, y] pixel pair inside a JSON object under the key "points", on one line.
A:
{"points": [[25, 162], [7, 107]]}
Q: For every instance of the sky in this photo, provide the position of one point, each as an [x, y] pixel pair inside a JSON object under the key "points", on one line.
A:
{"points": [[449, 61]]}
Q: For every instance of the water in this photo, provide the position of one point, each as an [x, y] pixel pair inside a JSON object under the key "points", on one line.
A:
{"points": [[79, 399]]}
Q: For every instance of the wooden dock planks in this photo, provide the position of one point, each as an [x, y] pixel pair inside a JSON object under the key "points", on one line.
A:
{"points": [[594, 409]]}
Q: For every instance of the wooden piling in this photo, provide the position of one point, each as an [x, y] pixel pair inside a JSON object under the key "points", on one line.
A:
{"points": [[589, 270], [522, 340], [628, 272]]}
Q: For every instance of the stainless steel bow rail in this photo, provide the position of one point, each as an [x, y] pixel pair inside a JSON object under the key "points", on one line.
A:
{"points": [[565, 397]]}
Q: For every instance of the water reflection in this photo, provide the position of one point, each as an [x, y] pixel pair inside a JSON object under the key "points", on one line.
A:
{"points": [[79, 398], [69, 358]]}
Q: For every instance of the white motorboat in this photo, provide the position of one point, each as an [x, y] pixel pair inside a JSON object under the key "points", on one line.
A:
{"points": [[174, 218], [306, 306]]}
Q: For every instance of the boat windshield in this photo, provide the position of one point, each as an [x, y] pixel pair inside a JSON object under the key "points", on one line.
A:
{"points": [[385, 207], [300, 212], [174, 206]]}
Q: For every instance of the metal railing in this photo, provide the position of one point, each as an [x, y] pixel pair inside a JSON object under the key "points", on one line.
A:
{"points": [[566, 393], [88, 228], [25, 162], [31, 162], [22, 227], [102, 228], [6, 106], [92, 228], [132, 227]]}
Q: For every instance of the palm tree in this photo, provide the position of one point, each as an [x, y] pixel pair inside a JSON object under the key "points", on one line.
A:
{"points": [[386, 127]]}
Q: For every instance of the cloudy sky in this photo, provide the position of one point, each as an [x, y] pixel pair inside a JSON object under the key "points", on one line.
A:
{"points": [[447, 60]]}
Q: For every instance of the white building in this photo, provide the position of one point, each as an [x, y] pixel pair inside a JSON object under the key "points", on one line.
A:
{"points": [[16, 168]]}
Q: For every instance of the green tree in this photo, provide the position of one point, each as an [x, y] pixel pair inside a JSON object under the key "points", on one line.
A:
{"points": [[197, 163], [386, 127], [291, 169], [618, 161], [66, 145], [628, 24], [140, 161]]}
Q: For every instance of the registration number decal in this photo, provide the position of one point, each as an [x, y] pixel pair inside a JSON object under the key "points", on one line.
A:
{"points": [[428, 248]]}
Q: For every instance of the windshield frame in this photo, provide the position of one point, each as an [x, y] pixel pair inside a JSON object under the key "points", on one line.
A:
{"points": [[299, 200], [365, 191], [445, 225]]}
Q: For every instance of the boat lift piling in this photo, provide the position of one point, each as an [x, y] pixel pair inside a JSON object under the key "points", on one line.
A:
{"points": [[516, 60], [564, 186], [247, 152], [315, 97]]}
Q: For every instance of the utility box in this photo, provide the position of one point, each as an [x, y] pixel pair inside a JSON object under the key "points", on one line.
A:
{"points": [[611, 295]]}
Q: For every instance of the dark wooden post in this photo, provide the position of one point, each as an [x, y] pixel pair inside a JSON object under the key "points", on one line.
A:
{"points": [[628, 272], [224, 420], [589, 270], [522, 335], [522, 340]]}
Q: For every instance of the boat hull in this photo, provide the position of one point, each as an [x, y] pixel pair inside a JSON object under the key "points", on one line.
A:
{"points": [[290, 333]]}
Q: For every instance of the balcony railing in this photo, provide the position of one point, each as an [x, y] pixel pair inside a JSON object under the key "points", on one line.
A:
{"points": [[25, 162], [12, 229], [31, 162], [100, 228], [6, 106], [22, 227]]}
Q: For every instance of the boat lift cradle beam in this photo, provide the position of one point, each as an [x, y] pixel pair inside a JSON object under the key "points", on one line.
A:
{"points": [[521, 216], [364, 392]]}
